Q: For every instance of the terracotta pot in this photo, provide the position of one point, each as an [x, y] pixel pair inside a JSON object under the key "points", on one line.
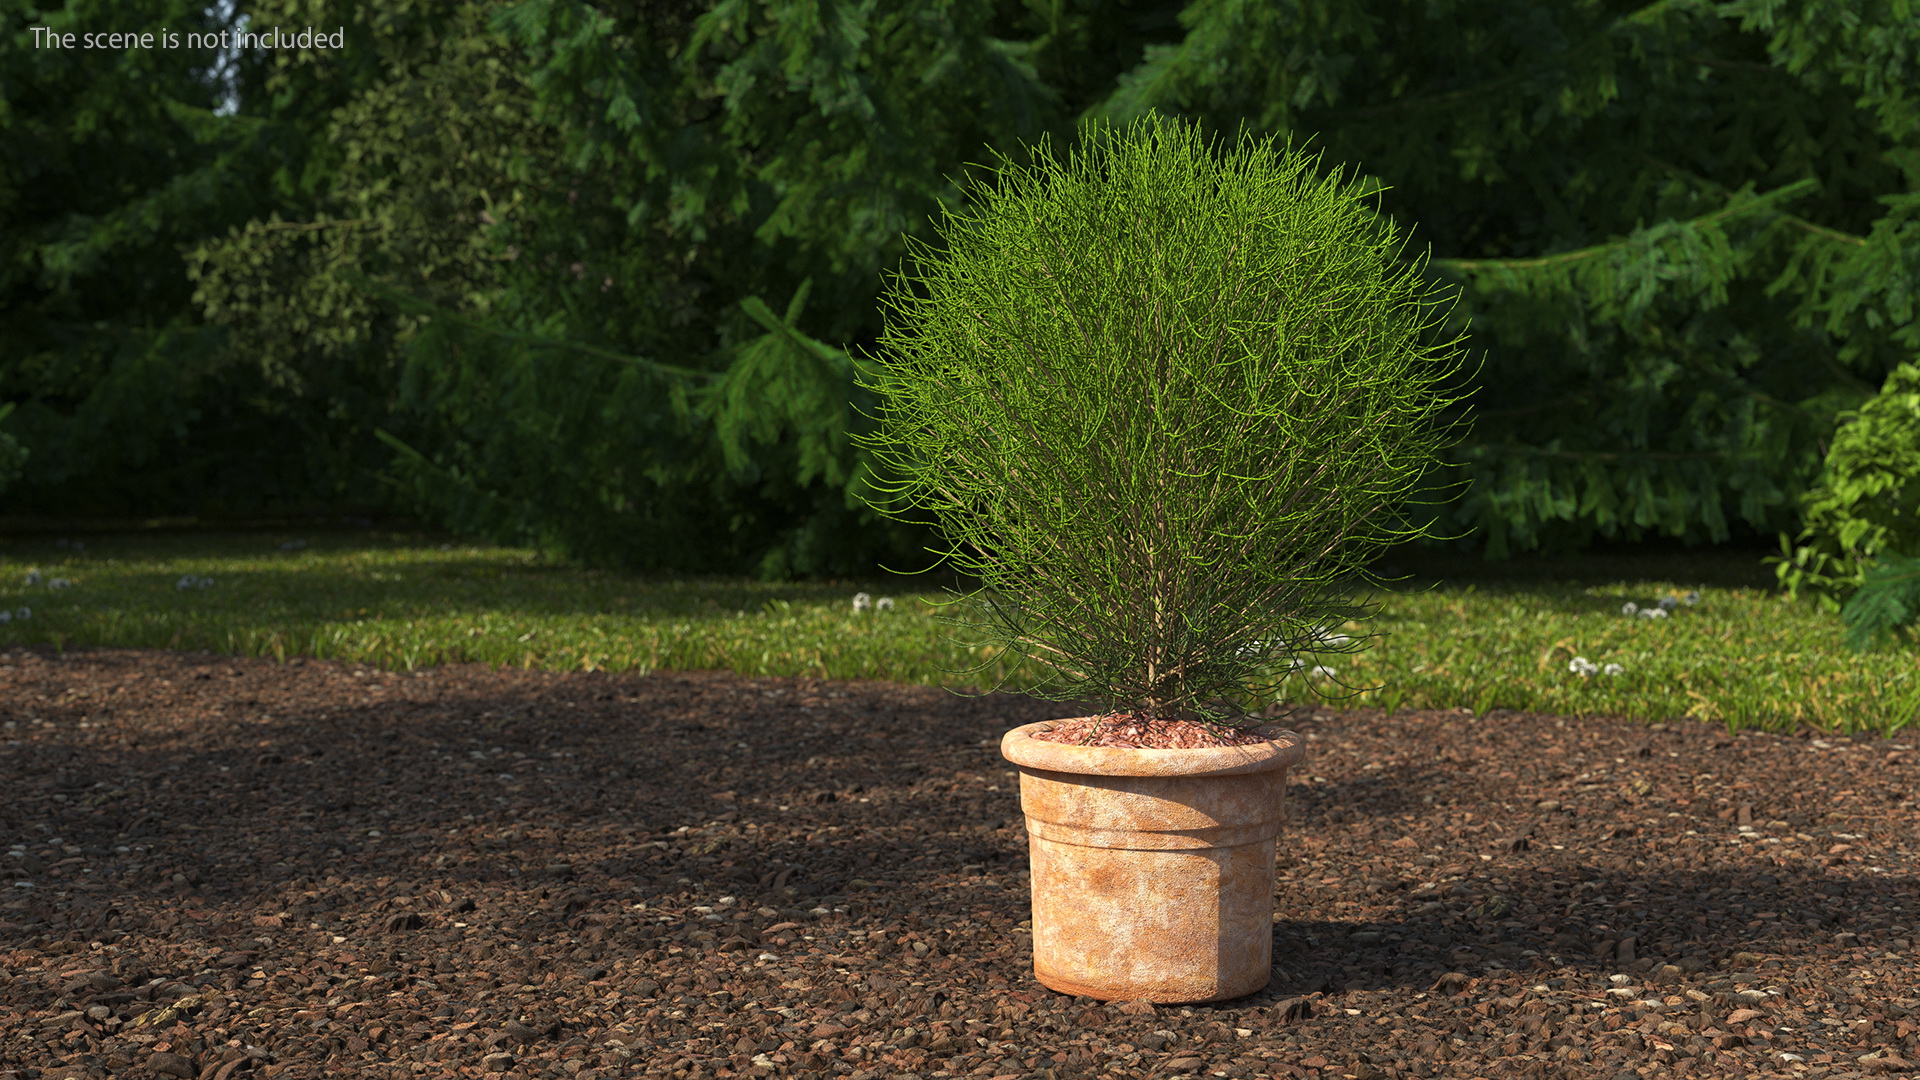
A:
{"points": [[1152, 869]]}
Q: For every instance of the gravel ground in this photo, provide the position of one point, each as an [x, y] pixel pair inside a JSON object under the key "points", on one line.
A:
{"points": [[222, 867]]}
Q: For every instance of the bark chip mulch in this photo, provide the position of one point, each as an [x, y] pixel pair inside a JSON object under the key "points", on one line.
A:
{"points": [[219, 867]]}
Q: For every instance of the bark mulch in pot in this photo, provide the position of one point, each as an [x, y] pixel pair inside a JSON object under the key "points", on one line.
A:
{"points": [[219, 867]]}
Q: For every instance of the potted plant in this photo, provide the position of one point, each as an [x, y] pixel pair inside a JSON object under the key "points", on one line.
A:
{"points": [[1164, 408]]}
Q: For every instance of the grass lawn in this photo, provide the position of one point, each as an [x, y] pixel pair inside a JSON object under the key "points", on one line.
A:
{"points": [[1477, 635]]}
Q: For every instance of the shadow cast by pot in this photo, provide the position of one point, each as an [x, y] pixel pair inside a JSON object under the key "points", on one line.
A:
{"points": [[1709, 925]]}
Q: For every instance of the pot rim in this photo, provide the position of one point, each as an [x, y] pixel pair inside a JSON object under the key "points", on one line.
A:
{"points": [[1282, 750]]}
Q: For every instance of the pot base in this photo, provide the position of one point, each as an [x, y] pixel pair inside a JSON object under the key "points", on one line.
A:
{"points": [[1158, 996]]}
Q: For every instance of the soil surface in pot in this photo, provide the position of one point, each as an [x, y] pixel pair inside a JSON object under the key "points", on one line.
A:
{"points": [[221, 867], [1138, 733]]}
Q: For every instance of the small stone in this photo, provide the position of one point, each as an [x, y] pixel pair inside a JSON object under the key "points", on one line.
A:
{"points": [[520, 1031], [1181, 1064], [1294, 1008], [166, 1064], [499, 1062]]}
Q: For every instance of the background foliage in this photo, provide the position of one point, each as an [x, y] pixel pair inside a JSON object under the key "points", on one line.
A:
{"points": [[108, 163], [542, 245]]}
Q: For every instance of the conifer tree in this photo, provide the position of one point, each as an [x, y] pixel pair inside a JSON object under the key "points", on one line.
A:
{"points": [[114, 393], [1686, 229], [1683, 233]]}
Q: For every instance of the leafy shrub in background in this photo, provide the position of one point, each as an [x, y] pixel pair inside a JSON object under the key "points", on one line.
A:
{"points": [[1887, 603], [1861, 544]]}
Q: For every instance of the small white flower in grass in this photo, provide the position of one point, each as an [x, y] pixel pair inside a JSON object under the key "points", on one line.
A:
{"points": [[33, 578], [1690, 599], [60, 583], [1654, 613], [885, 603], [24, 613], [1668, 603], [861, 601], [1323, 672], [1614, 669], [185, 583], [1582, 666], [1629, 608]]}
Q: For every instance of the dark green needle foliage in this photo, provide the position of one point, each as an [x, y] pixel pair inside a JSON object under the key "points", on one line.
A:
{"points": [[1164, 406]]}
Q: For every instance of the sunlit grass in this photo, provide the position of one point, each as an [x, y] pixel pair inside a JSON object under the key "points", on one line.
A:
{"points": [[1740, 656], [402, 602], [1744, 657]]}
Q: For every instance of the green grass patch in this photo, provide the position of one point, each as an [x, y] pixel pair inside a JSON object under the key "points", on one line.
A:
{"points": [[1485, 637]]}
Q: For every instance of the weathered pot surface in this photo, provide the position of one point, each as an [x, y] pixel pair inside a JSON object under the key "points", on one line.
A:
{"points": [[1152, 870]]}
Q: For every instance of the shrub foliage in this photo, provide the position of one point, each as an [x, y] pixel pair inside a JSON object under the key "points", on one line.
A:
{"points": [[1163, 407]]}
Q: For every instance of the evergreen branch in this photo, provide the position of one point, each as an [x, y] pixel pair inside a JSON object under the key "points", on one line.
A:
{"points": [[1452, 97], [1744, 390], [1521, 450], [433, 311], [1528, 410], [1426, 101], [308, 226], [447, 478], [1758, 202], [1725, 192], [1736, 65]]}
